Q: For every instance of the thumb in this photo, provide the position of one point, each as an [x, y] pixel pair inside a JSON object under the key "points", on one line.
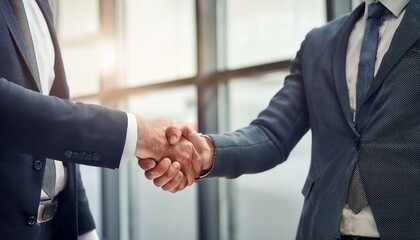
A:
{"points": [[175, 132]]}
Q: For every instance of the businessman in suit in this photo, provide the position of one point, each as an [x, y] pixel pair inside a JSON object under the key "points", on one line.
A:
{"points": [[355, 82], [43, 135]]}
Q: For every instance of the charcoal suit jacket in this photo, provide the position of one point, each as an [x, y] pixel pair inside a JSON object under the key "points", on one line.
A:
{"points": [[34, 127], [386, 142]]}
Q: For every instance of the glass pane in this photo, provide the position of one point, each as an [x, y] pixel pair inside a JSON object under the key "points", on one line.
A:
{"points": [[78, 36], [92, 180], [261, 31], [85, 23], [355, 3], [150, 207], [82, 68], [271, 201], [159, 40]]}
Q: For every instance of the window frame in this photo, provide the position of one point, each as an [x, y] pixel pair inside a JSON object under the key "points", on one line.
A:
{"points": [[211, 80]]}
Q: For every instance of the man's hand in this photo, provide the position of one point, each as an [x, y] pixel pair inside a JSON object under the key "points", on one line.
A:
{"points": [[151, 137], [152, 144], [175, 135], [165, 175], [203, 145]]}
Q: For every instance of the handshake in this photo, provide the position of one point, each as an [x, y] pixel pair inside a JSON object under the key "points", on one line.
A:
{"points": [[172, 155]]}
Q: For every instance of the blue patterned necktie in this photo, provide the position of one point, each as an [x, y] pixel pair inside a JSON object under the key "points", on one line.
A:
{"points": [[356, 199], [366, 67]]}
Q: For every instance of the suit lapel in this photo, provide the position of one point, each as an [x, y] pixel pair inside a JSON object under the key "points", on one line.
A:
{"points": [[339, 62], [10, 20], [46, 11], [59, 87], [407, 34]]}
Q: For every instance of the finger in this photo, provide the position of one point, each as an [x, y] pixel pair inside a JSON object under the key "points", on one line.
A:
{"points": [[195, 166], [175, 183], [174, 133], [186, 160], [161, 168], [168, 176], [190, 175], [182, 185], [146, 164], [203, 145], [193, 137]]}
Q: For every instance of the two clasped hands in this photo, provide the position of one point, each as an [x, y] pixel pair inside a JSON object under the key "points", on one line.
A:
{"points": [[172, 155]]}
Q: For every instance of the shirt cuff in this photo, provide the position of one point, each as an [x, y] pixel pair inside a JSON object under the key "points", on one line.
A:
{"points": [[92, 235], [129, 152]]}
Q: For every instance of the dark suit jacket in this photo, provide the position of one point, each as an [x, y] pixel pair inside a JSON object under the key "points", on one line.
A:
{"points": [[34, 127], [386, 142]]}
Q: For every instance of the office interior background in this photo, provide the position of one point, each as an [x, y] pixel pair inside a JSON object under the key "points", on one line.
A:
{"points": [[213, 64]]}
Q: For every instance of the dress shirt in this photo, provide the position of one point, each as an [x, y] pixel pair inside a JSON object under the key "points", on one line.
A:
{"points": [[363, 223], [45, 55]]}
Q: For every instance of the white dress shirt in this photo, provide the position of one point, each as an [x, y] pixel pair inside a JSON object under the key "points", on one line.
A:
{"points": [[45, 55], [363, 223]]}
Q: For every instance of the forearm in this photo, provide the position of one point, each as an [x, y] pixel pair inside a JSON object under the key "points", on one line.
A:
{"points": [[247, 150], [269, 139], [60, 129]]}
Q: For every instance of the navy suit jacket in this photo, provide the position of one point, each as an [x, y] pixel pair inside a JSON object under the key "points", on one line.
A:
{"points": [[34, 127], [386, 142]]}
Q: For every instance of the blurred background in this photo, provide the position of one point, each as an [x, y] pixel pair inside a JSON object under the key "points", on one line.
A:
{"points": [[213, 64]]}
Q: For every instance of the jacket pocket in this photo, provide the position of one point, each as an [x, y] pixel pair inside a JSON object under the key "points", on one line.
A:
{"points": [[307, 187]]}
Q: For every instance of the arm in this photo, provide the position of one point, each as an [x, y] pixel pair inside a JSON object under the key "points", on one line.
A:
{"points": [[82, 133], [268, 140], [60, 129]]}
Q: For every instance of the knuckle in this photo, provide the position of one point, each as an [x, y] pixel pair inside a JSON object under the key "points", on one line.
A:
{"points": [[170, 174]]}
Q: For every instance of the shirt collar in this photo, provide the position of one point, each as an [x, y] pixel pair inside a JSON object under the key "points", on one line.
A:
{"points": [[394, 6]]}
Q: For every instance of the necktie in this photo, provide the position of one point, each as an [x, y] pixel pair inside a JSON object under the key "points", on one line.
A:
{"points": [[48, 184], [22, 21], [356, 199]]}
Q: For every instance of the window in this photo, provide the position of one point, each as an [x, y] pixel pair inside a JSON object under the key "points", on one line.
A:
{"points": [[271, 201], [162, 62], [262, 31], [159, 40], [79, 45], [149, 206]]}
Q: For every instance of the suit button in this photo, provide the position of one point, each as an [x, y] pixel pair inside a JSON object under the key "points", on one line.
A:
{"points": [[31, 220], [37, 164], [68, 154], [96, 157], [357, 146]]}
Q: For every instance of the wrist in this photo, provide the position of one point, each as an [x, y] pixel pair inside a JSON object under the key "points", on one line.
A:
{"points": [[140, 137], [210, 156]]}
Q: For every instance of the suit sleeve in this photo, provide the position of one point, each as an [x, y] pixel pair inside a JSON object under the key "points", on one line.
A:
{"points": [[268, 140], [59, 129]]}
